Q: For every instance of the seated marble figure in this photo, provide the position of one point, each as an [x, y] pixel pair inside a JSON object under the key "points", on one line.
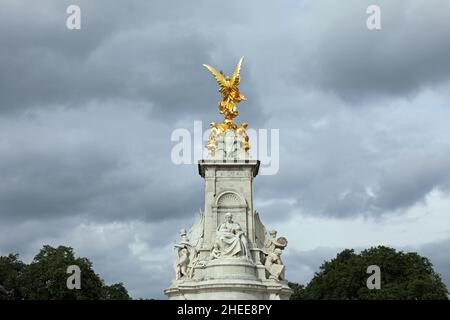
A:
{"points": [[231, 240]]}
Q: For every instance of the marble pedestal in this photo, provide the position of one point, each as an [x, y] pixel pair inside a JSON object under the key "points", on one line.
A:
{"points": [[229, 279], [228, 189]]}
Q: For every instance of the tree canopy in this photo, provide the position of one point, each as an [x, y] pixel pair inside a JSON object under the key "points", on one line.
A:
{"points": [[404, 275], [45, 278]]}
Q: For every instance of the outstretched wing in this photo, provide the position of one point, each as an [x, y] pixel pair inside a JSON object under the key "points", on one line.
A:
{"points": [[195, 234], [260, 230], [218, 76], [236, 71]]}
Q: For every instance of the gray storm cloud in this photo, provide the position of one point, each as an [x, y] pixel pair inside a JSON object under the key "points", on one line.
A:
{"points": [[86, 116]]}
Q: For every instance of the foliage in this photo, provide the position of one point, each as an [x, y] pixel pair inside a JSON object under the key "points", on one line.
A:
{"points": [[45, 278], [403, 276], [299, 290], [10, 270], [115, 291]]}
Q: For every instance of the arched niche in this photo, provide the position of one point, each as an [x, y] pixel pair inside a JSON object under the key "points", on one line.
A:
{"points": [[233, 202]]}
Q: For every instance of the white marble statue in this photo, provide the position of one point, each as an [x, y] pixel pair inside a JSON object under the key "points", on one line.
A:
{"points": [[273, 243], [231, 240], [187, 249], [230, 144], [274, 265], [215, 252], [185, 252]]}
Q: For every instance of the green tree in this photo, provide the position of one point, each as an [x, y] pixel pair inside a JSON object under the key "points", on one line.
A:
{"points": [[11, 269], [298, 289], [115, 291], [45, 278], [403, 276]]}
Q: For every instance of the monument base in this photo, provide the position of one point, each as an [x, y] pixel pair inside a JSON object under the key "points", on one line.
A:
{"points": [[227, 253], [229, 279]]}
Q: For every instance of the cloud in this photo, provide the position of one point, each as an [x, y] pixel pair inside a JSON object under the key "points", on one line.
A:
{"points": [[140, 57], [86, 118], [148, 56], [304, 264], [342, 56], [338, 161], [98, 170]]}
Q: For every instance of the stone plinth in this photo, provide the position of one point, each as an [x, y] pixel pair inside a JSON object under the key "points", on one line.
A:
{"points": [[226, 255]]}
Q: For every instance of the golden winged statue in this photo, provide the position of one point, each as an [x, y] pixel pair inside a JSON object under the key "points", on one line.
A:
{"points": [[228, 87]]}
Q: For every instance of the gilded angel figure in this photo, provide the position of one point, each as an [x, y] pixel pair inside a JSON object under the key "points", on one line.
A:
{"points": [[228, 87]]}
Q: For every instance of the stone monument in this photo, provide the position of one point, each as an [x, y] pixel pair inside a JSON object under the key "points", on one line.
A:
{"points": [[227, 253]]}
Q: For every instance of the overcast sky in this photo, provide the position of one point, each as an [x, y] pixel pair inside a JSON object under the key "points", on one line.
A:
{"points": [[86, 118]]}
